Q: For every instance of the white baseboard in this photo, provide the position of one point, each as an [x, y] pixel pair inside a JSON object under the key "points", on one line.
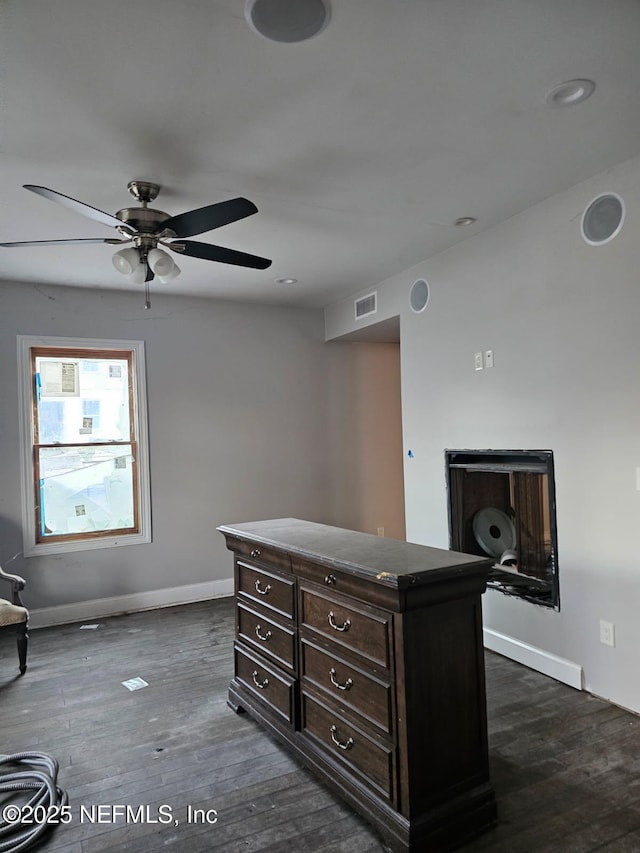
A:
{"points": [[100, 608], [559, 668]]}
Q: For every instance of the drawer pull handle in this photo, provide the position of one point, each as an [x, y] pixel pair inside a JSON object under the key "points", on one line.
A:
{"points": [[346, 686], [330, 580], [256, 552], [260, 684], [263, 637], [332, 621], [264, 591], [346, 745]]}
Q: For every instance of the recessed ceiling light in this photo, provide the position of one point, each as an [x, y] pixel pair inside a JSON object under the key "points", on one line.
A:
{"points": [[465, 220], [569, 93], [287, 20], [286, 281]]}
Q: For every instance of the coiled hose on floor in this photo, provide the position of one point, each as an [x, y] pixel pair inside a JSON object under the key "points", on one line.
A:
{"points": [[23, 822]]}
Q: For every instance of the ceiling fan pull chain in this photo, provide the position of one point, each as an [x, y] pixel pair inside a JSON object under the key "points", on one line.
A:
{"points": [[147, 298]]}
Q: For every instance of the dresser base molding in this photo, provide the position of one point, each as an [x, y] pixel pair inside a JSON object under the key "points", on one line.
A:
{"points": [[381, 692]]}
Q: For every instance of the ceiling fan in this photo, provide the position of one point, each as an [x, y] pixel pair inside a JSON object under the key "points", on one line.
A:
{"points": [[147, 229]]}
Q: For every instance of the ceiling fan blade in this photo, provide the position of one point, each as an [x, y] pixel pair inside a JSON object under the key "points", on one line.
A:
{"points": [[78, 206], [219, 253], [207, 218], [80, 240]]}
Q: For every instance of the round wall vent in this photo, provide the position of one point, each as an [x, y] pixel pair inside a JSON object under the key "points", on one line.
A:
{"points": [[419, 295], [287, 20], [602, 219]]}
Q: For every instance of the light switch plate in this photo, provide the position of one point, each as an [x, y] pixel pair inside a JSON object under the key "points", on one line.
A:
{"points": [[607, 633]]}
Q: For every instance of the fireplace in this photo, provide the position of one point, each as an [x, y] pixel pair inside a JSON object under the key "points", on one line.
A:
{"points": [[502, 504]]}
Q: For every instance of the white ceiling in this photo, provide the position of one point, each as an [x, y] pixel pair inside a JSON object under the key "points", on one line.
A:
{"points": [[360, 147]]}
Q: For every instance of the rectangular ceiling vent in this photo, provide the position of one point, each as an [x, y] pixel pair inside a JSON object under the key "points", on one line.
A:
{"points": [[366, 305]]}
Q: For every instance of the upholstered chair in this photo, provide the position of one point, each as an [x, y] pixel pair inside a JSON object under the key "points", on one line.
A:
{"points": [[14, 616]]}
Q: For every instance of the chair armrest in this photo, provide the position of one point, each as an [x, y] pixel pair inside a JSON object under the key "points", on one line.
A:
{"points": [[17, 583], [15, 579]]}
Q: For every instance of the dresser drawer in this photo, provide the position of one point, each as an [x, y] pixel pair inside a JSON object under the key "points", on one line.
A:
{"points": [[348, 744], [350, 686], [266, 588], [262, 554], [373, 590], [275, 641], [358, 628], [274, 688]]}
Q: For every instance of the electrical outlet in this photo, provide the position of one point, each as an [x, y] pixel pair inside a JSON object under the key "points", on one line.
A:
{"points": [[607, 633], [477, 360], [381, 531], [488, 358]]}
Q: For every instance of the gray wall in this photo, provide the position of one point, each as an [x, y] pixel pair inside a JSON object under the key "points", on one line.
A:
{"points": [[243, 400], [562, 318]]}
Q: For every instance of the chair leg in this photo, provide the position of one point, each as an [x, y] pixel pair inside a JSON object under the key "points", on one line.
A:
{"points": [[23, 637]]}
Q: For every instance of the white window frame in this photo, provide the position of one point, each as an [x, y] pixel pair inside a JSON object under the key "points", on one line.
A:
{"points": [[25, 401]]}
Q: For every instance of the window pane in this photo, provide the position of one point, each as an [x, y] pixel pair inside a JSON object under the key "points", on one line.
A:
{"points": [[86, 489], [82, 400]]}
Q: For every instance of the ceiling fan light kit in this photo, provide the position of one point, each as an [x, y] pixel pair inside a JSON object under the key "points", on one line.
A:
{"points": [[173, 273], [148, 228], [139, 276], [126, 261], [160, 262]]}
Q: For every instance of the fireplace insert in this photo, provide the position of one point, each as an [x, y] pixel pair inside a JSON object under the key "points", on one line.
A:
{"points": [[501, 503]]}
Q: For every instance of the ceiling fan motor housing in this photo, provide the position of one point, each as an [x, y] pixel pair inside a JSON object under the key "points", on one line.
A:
{"points": [[144, 219]]}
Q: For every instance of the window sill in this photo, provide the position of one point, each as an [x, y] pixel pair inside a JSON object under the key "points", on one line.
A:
{"points": [[86, 544]]}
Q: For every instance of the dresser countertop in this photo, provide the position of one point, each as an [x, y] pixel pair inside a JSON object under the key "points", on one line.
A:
{"points": [[390, 561]]}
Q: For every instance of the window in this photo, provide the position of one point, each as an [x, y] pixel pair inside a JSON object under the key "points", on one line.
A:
{"points": [[84, 444]]}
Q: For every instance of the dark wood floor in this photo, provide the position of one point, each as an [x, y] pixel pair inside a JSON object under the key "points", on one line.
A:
{"points": [[565, 765]]}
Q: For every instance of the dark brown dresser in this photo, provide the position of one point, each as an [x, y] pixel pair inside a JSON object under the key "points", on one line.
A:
{"points": [[364, 655]]}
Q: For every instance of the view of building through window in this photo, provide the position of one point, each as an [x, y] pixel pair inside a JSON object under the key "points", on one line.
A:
{"points": [[84, 443]]}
